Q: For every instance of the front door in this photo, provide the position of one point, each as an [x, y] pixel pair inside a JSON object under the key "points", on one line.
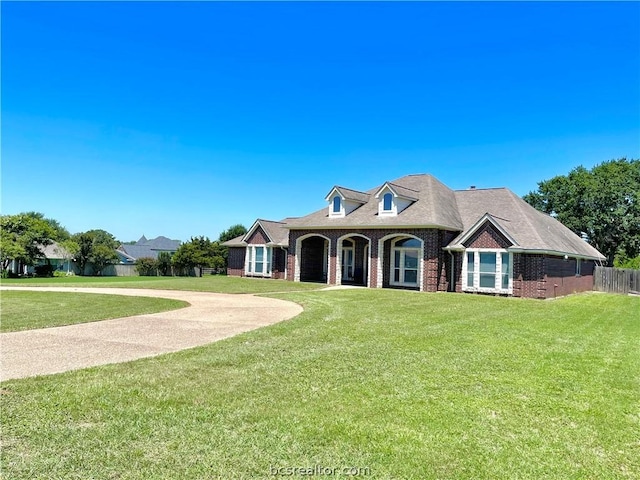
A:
{"points": [[347, 262]]}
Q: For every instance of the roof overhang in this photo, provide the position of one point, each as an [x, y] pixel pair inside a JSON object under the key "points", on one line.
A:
{"points": [[532, 251], [252, 230], [479, 224]]}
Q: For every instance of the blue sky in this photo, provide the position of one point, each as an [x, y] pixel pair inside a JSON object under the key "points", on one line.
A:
{"points": [[181, 119]]}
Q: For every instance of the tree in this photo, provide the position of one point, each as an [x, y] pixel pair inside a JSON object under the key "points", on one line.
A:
{"points": [[602, 204], [60, 232], [96, 247], [232, 232], [22, 238], [198, 252], [163, 263], [146, 266]]}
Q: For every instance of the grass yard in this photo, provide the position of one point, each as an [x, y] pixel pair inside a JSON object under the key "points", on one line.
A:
{"points": [[207, 283], [28, 310], [396, 384]]}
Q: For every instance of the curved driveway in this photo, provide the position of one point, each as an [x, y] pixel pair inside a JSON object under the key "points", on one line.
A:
{"points": [[210, 317]]}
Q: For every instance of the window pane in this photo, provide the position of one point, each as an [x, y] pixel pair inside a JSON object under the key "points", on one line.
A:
{"points": [[336, 204], [258, 267], [396, 275], [269, 254], [487, 280], [506, 270], [408, 242], [259, 254], [411, 259], [470, 279], [387, 201], [410, 276], [470, 265], [487, 262], [396, 256]]}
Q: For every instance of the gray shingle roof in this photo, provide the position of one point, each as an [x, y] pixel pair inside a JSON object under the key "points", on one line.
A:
{"points": [[530, 228], [350, 194], [150, 248], [277, 232], [435, 206]]}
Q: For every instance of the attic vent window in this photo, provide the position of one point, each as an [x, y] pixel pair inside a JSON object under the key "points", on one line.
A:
{"points": [[336, 204]]}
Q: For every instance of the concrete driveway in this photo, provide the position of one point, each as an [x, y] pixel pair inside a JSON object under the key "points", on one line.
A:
{"points": [[210, 317]]}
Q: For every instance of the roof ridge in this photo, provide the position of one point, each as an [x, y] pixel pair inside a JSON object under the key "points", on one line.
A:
{"points": [[402, 186]]}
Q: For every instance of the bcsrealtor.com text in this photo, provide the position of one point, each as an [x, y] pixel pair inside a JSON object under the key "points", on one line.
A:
{"points": [[319, 470]]}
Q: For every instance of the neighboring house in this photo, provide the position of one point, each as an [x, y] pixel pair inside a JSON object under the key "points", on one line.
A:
{"points": [[416, 233], [128, 254], [56, 256]]}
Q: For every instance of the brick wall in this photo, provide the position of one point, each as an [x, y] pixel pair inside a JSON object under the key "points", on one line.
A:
{"points": [[435, 273], [561, 278], [235, 262], [487, 237]]}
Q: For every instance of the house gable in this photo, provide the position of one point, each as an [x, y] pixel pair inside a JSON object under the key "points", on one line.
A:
{"points": [[487, 236], [258, 237]]}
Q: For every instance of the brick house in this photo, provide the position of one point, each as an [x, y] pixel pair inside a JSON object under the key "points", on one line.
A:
{"points": [[416, 233]]}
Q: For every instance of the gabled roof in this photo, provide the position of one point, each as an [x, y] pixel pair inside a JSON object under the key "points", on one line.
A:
{"points": [[530, 229], [348, 194], [398, 191], [54, 251], [434, 205], [277, 234]]}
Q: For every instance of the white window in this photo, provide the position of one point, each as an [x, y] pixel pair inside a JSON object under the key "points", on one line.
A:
{"points": [[578, 267], [405, 262], [337, 204], [387, 202], [487, 270], [258, 261]]}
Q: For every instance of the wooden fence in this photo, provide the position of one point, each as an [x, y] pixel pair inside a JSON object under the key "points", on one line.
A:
{"points": [[616, 280]]}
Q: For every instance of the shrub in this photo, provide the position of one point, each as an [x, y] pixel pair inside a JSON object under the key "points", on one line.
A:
{"points": [[146, 266], [163, 264], [44, 270]]}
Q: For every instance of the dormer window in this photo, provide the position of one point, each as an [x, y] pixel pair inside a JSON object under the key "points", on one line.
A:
{"points": [[387, 202], [337, 204], [343, 201], [393, 199]]}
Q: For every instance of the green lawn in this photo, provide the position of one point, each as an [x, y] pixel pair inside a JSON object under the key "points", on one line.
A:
{"points": [[399, 384], [28, 310], [207, 283]]}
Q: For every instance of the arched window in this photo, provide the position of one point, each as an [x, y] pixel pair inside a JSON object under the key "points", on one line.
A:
{"points": [[337, 204], [405, 262], [387, 202]]}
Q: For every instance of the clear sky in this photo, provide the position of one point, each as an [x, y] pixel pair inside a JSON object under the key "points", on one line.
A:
{"points": [[181, 119]]}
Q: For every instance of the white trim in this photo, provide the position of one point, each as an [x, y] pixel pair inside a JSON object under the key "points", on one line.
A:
{"points": [[480, 223], [476, 271], [380, 267], [298, 253], [339, 257], [252, 230], [403, 250], [250, 261]]}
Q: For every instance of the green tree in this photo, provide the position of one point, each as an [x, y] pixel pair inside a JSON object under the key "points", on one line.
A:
{"points": [[198, 252], [22, 238], [601, 203], [163, 263], [60, 232], [95, 247], [232, 232]]}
